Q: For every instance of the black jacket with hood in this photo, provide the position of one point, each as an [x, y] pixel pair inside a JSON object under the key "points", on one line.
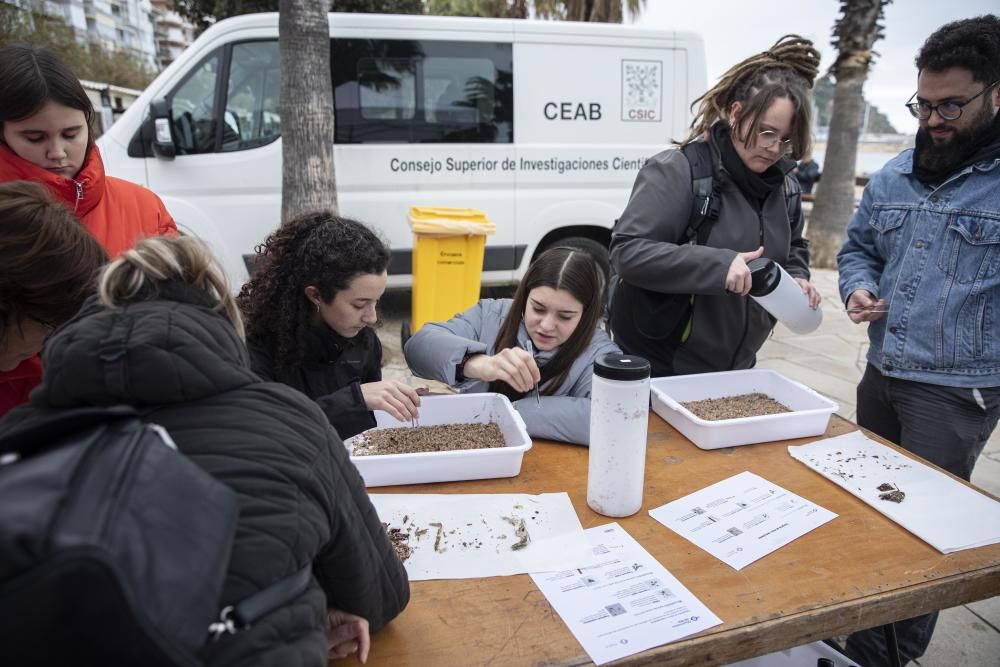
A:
{"points": [[182, 365], [331, 372]]}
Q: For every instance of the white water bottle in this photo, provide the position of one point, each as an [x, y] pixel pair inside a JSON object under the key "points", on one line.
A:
{"points": [[619, 414], [781, 296]]}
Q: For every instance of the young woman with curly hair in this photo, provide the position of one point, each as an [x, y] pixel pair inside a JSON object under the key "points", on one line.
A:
{"points": [[310, 307], [683, 304], [547, 337]]}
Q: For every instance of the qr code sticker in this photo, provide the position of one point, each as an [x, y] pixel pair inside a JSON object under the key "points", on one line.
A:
{"points": [[615, 609], [641, 89]]}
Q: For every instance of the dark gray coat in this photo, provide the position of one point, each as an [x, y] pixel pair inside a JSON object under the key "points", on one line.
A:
{"points": [[647, 250], [301, 499]]}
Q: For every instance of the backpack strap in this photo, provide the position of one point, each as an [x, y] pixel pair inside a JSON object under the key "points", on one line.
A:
{"points": [[705, 187], [793, 199], [35, 436], [241, 615]]}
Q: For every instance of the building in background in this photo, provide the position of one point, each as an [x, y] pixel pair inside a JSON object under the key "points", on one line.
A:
{"points": [[148, 30], [109, 101], [172, 32]]}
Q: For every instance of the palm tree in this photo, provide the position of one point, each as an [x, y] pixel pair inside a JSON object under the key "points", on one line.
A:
{"points": [[308, 180], [854, 35]]}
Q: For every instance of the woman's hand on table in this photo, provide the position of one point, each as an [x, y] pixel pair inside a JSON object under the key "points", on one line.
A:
{"points": [[513, 365], [347, 634]]}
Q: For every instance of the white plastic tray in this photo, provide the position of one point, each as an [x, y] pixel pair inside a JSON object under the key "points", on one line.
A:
{"points": [[810, 411], [426, 467]]}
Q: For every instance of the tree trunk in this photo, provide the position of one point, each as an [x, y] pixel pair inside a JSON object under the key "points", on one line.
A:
{"points": [[834, 204], [855, 33], [308, 180]]}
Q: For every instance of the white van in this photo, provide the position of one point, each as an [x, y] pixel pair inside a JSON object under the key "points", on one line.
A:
{"points": [[541, 124]]}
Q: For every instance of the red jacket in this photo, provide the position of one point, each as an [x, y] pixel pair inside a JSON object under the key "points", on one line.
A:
{"points": [[117, 213], [15, 385]]}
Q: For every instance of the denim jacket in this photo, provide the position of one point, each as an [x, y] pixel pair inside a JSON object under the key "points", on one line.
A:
{"points": [[933, 253]]}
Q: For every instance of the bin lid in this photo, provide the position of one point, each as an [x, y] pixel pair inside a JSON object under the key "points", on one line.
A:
{"points": [[450, 221]]}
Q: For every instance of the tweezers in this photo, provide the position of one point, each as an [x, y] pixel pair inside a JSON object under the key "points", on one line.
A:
{"points": [[531, 351]]}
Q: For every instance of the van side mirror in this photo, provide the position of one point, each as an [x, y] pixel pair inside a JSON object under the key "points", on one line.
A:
{"points": [[163, 141]]}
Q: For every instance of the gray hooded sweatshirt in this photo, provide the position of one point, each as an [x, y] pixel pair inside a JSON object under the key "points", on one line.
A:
{"points": [[435, 351]]}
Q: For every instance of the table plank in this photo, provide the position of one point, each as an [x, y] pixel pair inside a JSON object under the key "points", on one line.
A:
{"points": [[857, 571]]}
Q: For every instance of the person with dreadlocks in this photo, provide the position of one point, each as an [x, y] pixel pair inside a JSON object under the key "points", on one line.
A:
{"points": [[310, 308], [680, 298], [538, 348]]}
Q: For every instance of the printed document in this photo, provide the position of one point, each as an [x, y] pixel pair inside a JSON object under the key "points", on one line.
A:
{"points": [[741, 519], [626, 602]]}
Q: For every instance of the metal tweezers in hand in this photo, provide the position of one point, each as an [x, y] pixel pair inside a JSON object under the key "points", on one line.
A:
{"points": [[531, 351]]}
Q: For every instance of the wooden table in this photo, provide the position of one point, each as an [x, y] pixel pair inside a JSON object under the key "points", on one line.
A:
{"points": [[857, 571]]}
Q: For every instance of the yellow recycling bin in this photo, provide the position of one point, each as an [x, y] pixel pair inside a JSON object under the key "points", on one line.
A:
{"points": [[447, 260]]}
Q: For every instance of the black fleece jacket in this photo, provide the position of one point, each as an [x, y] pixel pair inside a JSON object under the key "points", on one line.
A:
{"points": [[332, 370]]}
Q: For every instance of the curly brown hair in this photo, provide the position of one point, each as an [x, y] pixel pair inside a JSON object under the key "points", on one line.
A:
{"points": [[786, 70], [315, 249]]}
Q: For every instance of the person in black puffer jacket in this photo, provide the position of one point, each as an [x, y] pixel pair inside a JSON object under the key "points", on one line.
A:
{"points": [[164, 336]]}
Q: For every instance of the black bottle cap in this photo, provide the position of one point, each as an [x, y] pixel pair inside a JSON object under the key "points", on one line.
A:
{"points": [[621, 367], [765, 276], [825, 662]]}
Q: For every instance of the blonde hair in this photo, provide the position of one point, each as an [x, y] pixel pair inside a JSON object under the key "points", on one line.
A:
{"points": [[786, 70], [186, 260]]}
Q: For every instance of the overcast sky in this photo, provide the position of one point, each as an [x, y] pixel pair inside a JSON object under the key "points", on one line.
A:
{"points": [[735, 29]]}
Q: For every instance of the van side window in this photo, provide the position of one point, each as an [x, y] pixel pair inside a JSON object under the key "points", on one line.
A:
{"points": [[409, 91], [252, 115], [192, 108], [388, 88]]}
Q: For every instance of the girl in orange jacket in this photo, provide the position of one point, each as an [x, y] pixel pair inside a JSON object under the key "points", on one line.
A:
{"points": [[46, 136]]}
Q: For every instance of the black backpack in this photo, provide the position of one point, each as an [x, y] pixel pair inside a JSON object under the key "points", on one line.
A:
{"points": [[114, 546]]}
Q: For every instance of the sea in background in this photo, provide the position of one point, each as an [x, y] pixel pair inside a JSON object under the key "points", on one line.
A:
{"points": [[874, 151]]}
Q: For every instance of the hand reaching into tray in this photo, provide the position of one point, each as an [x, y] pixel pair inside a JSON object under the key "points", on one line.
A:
{"points": [[513, 365], [399, 400], [347, 634]]}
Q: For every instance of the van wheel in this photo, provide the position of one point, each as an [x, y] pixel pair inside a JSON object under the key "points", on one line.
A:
{"points": [[597, 250]]}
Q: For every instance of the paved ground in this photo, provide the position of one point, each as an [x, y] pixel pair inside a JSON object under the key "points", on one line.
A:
{"points": [[831, 361]]}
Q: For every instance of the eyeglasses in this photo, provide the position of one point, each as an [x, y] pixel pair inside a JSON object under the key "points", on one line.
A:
{"points": [[768, 139], [948, 110]]}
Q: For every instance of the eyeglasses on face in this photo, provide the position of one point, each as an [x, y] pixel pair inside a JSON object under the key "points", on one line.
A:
{"points": [[768, 139], [948, 110]]}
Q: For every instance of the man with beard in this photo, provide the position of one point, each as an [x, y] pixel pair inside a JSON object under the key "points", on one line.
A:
{"points": [[922, 264]]}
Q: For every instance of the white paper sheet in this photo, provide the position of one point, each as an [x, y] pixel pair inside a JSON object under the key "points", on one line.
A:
{"points": [[741, 519], [626, 602], [946, 514], [477, 533]]}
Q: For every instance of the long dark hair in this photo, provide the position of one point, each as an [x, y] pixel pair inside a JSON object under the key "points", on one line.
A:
{"points": [[50, 262], [30, 77], [569, 269], [318, 249], [785, 71]]}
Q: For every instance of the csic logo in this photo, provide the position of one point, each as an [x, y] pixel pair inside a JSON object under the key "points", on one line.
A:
{"points": [[642, 90]]}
